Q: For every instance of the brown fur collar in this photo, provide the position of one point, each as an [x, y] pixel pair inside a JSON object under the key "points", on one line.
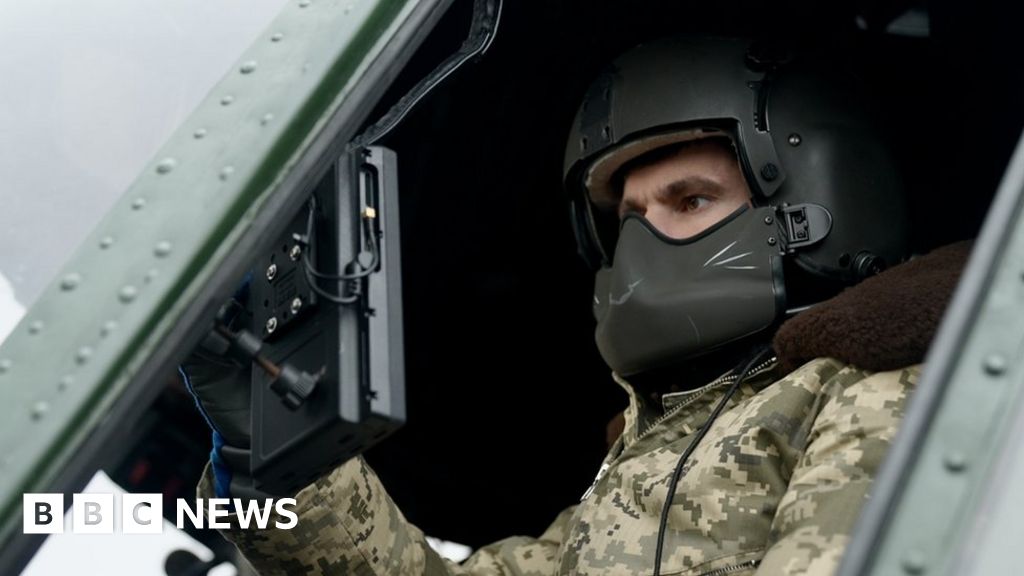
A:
{"points": [[884, 323]]}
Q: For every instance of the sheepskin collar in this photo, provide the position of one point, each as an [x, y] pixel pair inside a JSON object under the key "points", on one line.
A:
{"points": [[884, 323]]}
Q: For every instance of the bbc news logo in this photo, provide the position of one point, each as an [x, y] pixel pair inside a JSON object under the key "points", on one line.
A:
{"points": [[143, 513]]}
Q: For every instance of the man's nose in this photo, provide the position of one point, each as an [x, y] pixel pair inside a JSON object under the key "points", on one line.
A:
{"points": [[659, 217]]}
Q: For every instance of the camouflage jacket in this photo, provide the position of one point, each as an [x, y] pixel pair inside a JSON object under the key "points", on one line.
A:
{"points": [[774, 488]]}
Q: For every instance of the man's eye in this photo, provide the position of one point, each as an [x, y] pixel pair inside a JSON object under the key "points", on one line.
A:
{"points": [[692, 203]]}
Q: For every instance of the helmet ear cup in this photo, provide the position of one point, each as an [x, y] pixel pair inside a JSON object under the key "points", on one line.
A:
{"points": [[836, 157]]}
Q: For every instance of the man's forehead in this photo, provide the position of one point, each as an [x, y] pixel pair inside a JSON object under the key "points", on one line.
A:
{"points": [[603, 178], [696, 164]]}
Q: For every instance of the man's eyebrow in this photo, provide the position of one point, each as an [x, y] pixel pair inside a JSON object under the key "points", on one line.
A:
{"points": [[686, 184]]}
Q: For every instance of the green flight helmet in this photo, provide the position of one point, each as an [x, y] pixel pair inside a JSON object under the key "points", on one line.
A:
{"points": [[826, 191]]}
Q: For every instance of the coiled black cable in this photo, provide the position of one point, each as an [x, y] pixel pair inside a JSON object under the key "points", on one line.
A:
{"points": [[313, 275]]}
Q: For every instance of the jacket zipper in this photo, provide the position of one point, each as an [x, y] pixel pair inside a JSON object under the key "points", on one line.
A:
{"points": [[707, 388], [731, 569], [727, 379]]}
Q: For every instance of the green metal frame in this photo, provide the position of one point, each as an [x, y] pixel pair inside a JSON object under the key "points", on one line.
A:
{"points": [[98, 342]]}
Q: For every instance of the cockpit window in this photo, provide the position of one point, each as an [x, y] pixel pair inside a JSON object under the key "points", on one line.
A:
{"points": [[91, 91]]}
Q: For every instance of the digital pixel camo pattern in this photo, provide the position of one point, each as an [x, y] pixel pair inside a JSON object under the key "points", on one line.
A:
{"points": [[774, 488]]}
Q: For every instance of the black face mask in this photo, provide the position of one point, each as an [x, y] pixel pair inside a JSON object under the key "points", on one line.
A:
{"points": [[664, 300]]}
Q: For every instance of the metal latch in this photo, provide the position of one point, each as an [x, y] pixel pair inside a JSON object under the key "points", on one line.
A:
{"points": [[804, 224]]}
